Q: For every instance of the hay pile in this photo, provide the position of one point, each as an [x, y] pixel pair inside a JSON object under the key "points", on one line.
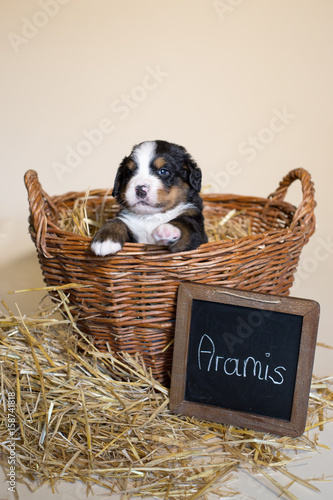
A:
{"points": [[84, 415], [86, 218], [235, 224]]}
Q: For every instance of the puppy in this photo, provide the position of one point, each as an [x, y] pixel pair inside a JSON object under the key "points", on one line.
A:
{"points": [[157, 187]]}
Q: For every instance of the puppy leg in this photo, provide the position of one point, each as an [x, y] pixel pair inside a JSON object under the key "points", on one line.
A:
{"points": [[110, 238]]}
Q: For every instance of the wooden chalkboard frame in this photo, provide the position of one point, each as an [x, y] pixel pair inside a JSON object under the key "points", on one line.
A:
{"points": [[307, 309]]}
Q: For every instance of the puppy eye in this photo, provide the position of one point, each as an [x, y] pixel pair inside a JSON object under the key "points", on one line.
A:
{"points": [[164, 172]]}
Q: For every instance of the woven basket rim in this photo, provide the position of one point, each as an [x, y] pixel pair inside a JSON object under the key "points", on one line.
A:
{"points": [[303, 216], [216, 197]]}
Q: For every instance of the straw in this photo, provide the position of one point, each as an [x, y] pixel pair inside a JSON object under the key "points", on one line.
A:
{"points": [[81, 414]]}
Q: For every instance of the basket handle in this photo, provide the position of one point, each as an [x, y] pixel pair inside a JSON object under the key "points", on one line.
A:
{"points": [[304, 213], [39, 204]]}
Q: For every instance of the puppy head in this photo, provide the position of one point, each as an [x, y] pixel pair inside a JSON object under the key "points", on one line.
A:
{"points": [[156, 177]]}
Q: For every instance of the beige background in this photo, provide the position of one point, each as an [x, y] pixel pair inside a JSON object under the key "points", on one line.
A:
{"points": [[245, 86]]}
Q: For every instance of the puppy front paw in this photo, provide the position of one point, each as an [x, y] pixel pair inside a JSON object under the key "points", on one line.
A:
{"points": [[166, 234], [110, 238], [107, 247]]}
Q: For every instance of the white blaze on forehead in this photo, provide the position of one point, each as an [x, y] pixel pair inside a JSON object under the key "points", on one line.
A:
{"points": [[143, 156]]}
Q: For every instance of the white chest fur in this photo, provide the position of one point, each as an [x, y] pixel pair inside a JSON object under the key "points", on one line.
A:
{"points": [[142, 226]]}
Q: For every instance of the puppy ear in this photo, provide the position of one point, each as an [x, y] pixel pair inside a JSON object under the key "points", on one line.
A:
{"points": [[193, 173], [120, 177]]}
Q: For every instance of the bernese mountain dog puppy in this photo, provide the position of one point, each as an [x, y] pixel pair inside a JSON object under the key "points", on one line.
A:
{"points": [[157, 188]]}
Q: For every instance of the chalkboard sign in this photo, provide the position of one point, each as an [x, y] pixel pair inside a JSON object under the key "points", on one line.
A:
{"points": [[243, 358]]}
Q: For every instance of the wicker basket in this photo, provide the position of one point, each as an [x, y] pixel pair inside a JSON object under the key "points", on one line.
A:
{"points": [[130, 302]]}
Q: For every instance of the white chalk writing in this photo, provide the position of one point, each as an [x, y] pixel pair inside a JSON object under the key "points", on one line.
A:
{"points": [[208, 360]]}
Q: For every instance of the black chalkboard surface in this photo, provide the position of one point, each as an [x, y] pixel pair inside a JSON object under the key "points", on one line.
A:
{"points": [[243, 358]]}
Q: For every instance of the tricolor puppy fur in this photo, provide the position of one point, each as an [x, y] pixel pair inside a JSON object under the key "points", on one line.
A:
{"points": [[157, 187]]}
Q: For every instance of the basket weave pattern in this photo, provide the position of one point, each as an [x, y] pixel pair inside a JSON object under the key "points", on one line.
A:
{"points": [[130, 301]]}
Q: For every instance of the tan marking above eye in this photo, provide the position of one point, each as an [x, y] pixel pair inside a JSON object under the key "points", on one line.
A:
{"points": [[159, 162], [130, 164]]}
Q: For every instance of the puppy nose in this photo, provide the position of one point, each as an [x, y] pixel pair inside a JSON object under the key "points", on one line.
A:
{"points": [[141, 191]]}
